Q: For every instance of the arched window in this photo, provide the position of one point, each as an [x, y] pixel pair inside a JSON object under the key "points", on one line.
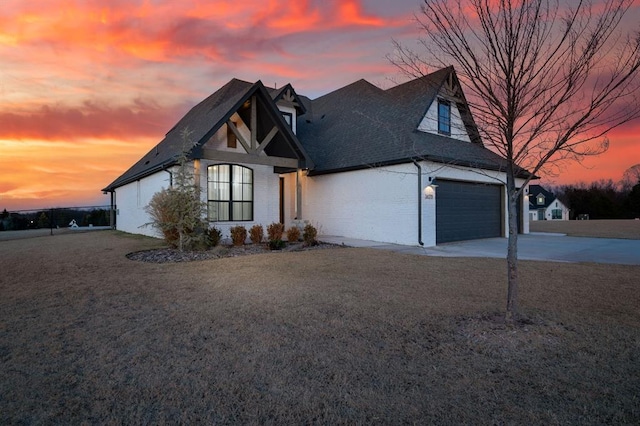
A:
{"points": [[230, 193]]}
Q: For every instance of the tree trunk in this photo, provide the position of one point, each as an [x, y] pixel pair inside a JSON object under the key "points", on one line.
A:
{"points": [[512, 250]]}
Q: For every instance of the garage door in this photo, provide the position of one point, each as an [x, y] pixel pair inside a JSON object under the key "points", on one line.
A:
{"points": [[467, 211]]}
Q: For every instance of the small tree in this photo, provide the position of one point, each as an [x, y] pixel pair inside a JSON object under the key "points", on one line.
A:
{"points": [[178, 211], [547, 80], [43, 220]]}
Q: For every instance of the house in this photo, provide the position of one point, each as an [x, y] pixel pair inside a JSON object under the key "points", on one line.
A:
{"points": [[404, 165], [543, 205]]}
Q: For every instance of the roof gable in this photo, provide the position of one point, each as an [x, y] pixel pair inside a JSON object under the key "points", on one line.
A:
{"points": [[202, 121], [288, 95]]}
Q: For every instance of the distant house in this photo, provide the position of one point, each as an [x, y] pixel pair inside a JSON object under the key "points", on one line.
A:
{"points": [[404, 165], [543, 205]]}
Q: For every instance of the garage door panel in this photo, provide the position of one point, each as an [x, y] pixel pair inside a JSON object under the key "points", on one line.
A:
{"points": [[466, 211]]}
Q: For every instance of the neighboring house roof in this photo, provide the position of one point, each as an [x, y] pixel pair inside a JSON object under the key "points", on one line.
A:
{"points": [[203, 120], [354, 127], [534, 192]]}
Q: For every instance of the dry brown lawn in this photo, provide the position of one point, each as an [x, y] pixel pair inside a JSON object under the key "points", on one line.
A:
{"points": [[627, 229], [356, 336]]}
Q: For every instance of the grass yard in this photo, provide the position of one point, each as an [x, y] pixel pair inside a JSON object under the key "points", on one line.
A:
{"points": [[320, 337], [627, 229]]}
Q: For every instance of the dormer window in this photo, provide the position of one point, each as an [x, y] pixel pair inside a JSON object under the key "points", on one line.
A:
{"points": [[540, 199], [444, 117], [288, 117]]}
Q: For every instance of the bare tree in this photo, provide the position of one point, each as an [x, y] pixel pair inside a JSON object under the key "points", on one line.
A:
{"points": [[630, 178], [546, 80]]}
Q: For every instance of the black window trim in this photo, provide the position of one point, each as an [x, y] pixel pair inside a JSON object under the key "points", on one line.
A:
{"points": [[441, 119], [231, 201], [290, 115]]}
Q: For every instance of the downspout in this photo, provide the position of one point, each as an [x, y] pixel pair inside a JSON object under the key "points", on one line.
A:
{"points": [[419, 203], [170, 177]]}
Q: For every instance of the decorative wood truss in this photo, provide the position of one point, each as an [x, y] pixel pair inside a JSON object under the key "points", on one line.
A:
{"points": [[255, 149]]}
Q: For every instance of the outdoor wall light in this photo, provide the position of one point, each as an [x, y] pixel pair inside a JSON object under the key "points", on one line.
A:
{"points": [[430, 190]]}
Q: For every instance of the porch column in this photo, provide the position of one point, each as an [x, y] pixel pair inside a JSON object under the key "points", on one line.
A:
{"points": [[196, 173], [299, 194], [112, 211]]}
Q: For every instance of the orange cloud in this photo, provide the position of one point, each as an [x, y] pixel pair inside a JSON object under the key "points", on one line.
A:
{"points": [[45, 173], [90, 120]]}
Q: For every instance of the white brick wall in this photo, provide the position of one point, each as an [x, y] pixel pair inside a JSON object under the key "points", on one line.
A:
{"points": [[381, 204], [131, 200], [374, 204]]}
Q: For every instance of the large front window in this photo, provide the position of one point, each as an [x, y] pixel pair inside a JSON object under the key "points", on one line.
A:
{"points": [[230, 193], [556, 214]]}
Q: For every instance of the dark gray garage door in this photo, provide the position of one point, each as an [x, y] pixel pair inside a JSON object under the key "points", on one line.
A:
{"points": [[467, 211]]}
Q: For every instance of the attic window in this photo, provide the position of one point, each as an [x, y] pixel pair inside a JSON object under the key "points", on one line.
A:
{"points": [[444, 117], [540, 199]]}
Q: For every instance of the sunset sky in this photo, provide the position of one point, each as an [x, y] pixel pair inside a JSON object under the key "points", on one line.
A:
{"points": [[89, 86]]}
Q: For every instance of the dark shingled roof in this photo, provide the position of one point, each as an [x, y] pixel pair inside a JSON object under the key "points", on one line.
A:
{"points": [[202, 121], [354, 127], [534, 191], [361, 126]]}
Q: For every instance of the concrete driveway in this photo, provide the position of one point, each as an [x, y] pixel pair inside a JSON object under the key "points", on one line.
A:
{"points": [[548, 247]]}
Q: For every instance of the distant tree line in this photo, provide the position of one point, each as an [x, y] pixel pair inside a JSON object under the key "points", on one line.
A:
{"points": [[53, 218], [603, 199]]}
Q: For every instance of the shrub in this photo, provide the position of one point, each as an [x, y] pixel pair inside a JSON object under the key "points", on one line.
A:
{"points": [[309, 235], [165, 216], [276, 244], [238, 235], [215, 235], [293, 234], [256, 233], [274, 231]]}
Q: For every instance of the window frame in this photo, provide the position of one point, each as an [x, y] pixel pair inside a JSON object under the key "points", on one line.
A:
{"points": [[286, 114], [444, 120], [556, 213], [228, 184]]}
